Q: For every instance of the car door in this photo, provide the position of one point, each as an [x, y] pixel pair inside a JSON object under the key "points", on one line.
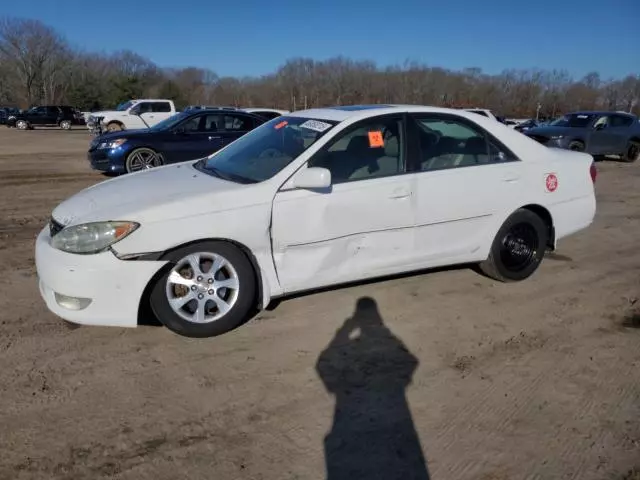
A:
{"points": [[620, 131], [193, 138], [466, 181], [159, 111], [38, 116], [602, 138], [235, 125], [359, 227]]}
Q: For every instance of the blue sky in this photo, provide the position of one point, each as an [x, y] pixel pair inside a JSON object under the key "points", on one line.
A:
{"points": [[253, 37]]}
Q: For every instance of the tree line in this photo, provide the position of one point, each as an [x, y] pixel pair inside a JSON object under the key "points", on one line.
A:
{"points": [[38, 66]]}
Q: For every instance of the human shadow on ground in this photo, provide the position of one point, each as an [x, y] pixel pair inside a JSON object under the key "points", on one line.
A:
{"points": [[368, 369]]}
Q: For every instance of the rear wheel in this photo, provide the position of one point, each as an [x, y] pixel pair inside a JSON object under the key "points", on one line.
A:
{"points": [[143, 159], [576, 145], [632, 153], [210, 290], [518, 247], [65, 124]]}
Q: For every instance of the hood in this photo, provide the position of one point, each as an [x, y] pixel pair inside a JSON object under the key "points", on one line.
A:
{"points": [[153, 195], [550, 131]]}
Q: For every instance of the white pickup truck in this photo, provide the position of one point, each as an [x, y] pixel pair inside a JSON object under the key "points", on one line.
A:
{"points": [[131, 115]]}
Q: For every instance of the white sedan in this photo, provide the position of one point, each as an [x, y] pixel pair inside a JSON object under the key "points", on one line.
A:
{"points": [[310, 199]]}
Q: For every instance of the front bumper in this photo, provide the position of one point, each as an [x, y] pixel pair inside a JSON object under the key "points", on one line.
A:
{"points": [[114, 287], [107, 160]]}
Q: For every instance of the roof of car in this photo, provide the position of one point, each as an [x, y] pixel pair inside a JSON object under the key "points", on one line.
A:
{"points": [[342, 113]]}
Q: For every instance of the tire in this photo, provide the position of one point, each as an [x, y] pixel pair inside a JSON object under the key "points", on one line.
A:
{"points": [[114, 127], [22, 125], [65, 124], [184, 317], [632, 153], [576, 145], [142, 159], [525, 229]]}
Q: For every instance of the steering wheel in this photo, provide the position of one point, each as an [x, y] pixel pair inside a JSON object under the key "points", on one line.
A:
{"points": [[270, 153]]}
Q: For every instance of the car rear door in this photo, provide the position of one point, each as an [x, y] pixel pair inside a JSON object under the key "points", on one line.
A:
{"points": [[466, 181]]}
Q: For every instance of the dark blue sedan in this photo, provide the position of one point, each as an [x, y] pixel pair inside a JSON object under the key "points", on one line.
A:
{"points": [[182, 137]]}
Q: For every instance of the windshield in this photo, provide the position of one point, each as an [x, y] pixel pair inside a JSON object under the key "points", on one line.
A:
{"points": [[170, 122], [263, 152], [124, 106], [575, 120]]}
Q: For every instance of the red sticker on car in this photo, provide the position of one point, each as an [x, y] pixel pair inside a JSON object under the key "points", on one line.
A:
{"points": [[551, 182], [281, 124]]}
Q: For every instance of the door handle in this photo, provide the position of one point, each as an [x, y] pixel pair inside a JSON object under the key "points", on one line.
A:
{"points": [[400, 193], [511, 178]]}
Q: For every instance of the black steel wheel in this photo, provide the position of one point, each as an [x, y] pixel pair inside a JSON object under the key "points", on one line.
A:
{"points": [[518, 247]]}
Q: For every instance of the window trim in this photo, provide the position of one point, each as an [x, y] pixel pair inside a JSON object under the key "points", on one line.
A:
{"points": [[401, 116], [488, 137]]}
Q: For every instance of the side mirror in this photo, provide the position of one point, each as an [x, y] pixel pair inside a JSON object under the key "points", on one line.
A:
{"points": [[134, 111], [600, 126], [312, 178], [179, 131]]}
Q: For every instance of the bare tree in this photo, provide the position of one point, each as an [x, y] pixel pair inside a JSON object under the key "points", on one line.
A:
{"points": [[27, 46]]}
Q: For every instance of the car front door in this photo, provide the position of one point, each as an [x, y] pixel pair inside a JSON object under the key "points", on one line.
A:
{"points": [[362, 225], [37, 116], [466, 181], [193, 138], [620, 131], [602, 138]]}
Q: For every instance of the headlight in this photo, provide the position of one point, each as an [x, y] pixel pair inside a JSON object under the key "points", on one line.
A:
{"points": [[92, 237], [112, 143]]}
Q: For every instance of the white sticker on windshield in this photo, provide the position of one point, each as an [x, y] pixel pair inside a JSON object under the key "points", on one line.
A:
{"points": [[583, 116], [315, 125]]}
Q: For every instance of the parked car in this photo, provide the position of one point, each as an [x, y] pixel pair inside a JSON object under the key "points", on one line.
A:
{"points": [[185, 136], [596, 133], [63, 116], [312, 199], [131, 115]]}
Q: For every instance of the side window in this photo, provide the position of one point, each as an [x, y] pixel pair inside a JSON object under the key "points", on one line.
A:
{"points": [[448, 143], [621, 121], [39, 110], [144, 107], [192, 125], [601, 122], [213, 123], [369, 150], [160, 107], [237, 123]]}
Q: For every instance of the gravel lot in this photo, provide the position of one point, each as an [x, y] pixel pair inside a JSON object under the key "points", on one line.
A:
{"points": [[480, 380]]}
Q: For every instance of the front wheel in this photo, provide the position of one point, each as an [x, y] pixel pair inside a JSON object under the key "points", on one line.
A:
{"points": [[632, 153], [210, 290], [518, 247], [576, 146], [22, 125], [143, 159]]}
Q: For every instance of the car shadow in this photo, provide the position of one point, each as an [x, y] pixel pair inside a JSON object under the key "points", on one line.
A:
{"points": [[368, 369]]}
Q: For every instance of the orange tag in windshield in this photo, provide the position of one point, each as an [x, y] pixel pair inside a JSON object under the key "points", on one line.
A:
{"points": [[375, 140], [281, 124]]}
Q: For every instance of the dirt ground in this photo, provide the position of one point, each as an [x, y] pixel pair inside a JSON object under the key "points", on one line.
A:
{"points": [[451, 373]]}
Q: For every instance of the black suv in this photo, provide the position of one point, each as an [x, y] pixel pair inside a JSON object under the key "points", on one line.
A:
{"points": [[47, 115]]}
